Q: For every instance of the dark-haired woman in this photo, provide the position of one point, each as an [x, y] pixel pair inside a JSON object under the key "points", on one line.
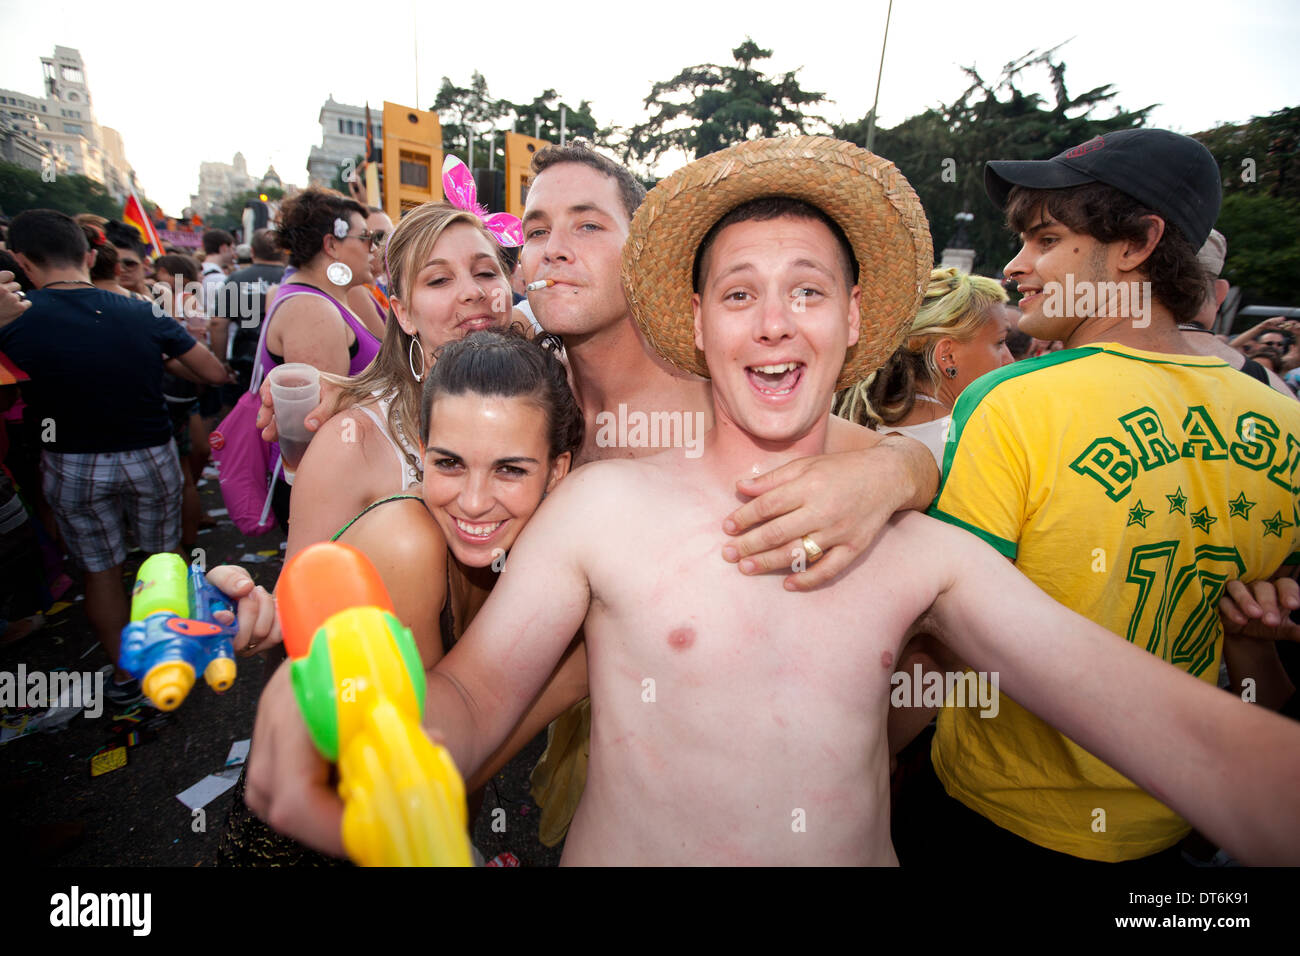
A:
{"points": [[308, 321], [501, 427], [328, 244]]}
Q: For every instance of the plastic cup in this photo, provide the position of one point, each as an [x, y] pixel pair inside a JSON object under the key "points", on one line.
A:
{"points": [[295, 391]]}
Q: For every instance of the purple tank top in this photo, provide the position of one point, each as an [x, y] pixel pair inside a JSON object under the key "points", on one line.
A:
{"points": [[367, 344]]}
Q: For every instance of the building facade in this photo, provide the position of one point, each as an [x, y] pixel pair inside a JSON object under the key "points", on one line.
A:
{"points": [[219, 183], [343, 139], [62, 125]]}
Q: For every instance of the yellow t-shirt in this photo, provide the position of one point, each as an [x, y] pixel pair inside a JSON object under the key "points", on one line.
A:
{"points": [[1130, 486]]}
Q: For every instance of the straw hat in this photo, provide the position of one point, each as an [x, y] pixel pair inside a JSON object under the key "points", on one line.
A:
{"points": [[864, 194]]}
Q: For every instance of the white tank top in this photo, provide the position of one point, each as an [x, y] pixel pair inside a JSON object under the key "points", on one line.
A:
{"points": [[412, 474]]}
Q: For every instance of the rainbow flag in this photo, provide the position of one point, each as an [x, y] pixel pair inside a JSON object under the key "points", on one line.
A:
{"points": [[134, 215]]}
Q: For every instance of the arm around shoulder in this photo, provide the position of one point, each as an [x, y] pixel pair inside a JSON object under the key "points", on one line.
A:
{"points": [[481, 689]]}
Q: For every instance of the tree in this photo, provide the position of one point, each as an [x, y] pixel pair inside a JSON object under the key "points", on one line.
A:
{"points": [[578, 121], [1261, 156], [22, 188], [1261, 204], [709, 107], [465, 111], [942, 152], [1263, 246]]}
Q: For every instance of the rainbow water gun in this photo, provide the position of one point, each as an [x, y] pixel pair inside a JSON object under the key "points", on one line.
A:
{"points": [[360, 685], [173, 632]]}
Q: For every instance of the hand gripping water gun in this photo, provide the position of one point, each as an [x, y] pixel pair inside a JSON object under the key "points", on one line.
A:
{"points": [[173, 632], [360, 686]]}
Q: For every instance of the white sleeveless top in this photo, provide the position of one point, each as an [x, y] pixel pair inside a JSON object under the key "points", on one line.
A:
{"points": [[932, 435], [411, 474]]}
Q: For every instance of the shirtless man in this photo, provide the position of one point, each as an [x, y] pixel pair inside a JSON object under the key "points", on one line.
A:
{"points": [[733, 722], [579, 208]]}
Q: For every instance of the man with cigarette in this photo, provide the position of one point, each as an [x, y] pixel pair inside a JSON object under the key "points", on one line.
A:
{"points": [[579, 208], [734, 722]]}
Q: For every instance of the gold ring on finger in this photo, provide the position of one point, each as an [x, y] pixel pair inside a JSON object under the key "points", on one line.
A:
{"points": [[810, 548]]}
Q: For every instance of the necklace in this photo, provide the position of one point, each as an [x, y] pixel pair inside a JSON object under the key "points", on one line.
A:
{"points": [[922, 397], [67, 282], [414, 462]]}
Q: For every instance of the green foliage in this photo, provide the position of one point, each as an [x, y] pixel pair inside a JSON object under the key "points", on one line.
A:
{"points": [[462, 108], [709, 107], [338, 184], [578, 121], [1262, 156], [26, 189], [1263, 246], [942, 151], [1260, 163]]}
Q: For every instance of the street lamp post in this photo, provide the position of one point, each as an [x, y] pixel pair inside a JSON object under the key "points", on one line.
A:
{"points": [[871, 121]]}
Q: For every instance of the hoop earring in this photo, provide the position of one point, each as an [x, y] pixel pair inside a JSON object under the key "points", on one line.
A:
{"points": [[339, 273], [410, 359]]}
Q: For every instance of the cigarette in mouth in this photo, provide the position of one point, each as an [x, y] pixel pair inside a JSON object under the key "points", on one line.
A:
{"points": [[539, 284]]}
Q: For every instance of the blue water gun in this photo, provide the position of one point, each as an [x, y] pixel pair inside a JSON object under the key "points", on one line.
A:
{"points": [[173, 633]]}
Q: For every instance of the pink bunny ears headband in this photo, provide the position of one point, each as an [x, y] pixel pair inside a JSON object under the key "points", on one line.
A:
{"points": [[458, 186]]}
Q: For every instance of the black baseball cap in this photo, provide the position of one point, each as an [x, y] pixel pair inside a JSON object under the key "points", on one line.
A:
{"points": [[1172, 174]]}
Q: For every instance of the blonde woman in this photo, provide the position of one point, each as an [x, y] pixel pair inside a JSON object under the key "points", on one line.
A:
{"points": [[447, 279], [957, 336]]}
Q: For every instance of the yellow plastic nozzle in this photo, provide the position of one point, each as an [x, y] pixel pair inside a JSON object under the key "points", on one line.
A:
{"points": [[220, 674], [168, 683], [404, 800]]}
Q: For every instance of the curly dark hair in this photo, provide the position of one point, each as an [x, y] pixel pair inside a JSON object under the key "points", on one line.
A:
{"points": [[508, 364], [1108, 215], [307, 218]]}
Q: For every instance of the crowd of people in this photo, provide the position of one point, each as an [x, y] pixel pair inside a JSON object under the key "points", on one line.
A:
{"points": [[1107, 468]]}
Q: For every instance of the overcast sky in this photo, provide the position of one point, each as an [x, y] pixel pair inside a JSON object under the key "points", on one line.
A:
{"points": [[189, 83]]}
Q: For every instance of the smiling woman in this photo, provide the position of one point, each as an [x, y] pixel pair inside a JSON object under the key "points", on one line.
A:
{"points": [[499, 426], [446, 280]]}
